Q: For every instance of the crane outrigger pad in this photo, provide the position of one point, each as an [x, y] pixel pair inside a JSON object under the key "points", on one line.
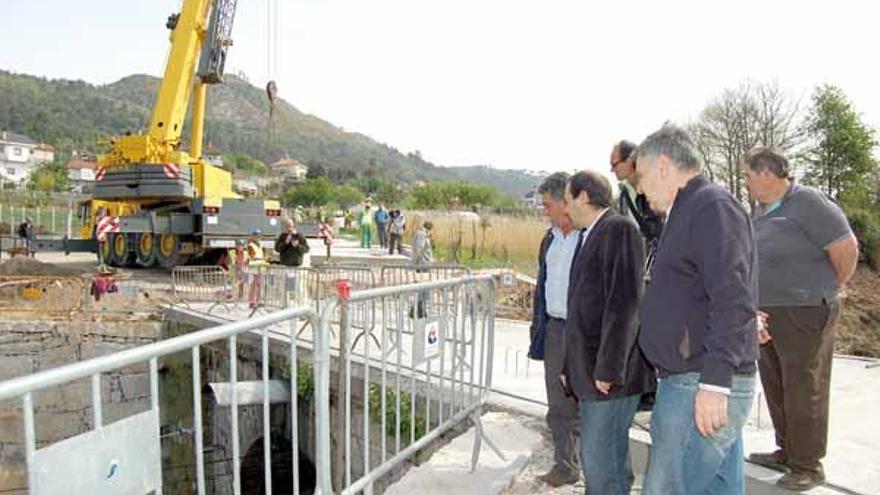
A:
{"points": [[145, 181]]}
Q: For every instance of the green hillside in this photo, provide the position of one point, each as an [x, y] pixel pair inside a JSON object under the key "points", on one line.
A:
{"points": [[75, 115]]}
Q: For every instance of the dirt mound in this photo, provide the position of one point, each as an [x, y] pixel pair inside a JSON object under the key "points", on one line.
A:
{"points": [[28, 266], [858, 331], [6, 229]]}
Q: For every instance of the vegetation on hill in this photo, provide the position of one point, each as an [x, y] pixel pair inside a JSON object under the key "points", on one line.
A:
{"points": [[74, 115]]}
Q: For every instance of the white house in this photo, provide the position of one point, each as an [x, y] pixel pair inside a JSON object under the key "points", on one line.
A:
{"points": [[290, 169], [43, 153], [245, 187], [19, 155], [16, 157], [80, 171]]}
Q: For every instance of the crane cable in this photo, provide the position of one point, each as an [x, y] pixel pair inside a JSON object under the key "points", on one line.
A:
{"points": [[271, 65]]}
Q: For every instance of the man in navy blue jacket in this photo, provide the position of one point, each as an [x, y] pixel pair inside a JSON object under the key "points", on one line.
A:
{"points": [[558, 249], [699, 327]]}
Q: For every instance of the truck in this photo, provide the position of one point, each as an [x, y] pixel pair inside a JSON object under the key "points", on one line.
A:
{"points": [[167, 204]]}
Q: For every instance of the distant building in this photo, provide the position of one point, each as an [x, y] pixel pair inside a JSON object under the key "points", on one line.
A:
{"points": [[16, 157], [80, 172], [532, 200], [289, 169], [213, 159], [245, 187], [43, 153]]}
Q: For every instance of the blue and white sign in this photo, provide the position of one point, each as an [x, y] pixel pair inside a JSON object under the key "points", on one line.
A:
{"points": [[427, 339]]}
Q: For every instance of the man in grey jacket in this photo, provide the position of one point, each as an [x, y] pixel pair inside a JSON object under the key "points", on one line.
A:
{"points": [[422, 252]]}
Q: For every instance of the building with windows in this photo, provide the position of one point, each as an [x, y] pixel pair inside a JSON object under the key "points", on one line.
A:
{"points": [[19, 155]]}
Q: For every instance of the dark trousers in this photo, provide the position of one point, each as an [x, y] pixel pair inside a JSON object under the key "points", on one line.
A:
{"points": [[796, 375], [562, 411], [382, 233], [395, 239]]}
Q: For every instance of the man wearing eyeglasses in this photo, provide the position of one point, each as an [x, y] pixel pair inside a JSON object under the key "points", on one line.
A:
{"points": [[630, 203]]}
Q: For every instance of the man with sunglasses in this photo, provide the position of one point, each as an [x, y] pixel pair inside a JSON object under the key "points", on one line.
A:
{"points": [[630, 203]]}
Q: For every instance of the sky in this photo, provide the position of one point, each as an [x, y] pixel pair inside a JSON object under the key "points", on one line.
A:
{"points": [[541, 85]]}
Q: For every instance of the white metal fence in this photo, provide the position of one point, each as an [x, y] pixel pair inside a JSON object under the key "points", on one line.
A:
{"points": [[437, 377], [428, 370]]}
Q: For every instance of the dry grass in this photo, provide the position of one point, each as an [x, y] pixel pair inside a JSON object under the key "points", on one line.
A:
{"points": [[491, 239]]}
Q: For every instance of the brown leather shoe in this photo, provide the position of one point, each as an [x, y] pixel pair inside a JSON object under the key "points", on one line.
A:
{"points": [[558, 477], [800, 481], [773, 460]]}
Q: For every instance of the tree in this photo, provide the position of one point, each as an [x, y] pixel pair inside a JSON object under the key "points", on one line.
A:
{"points": [[346, 196], [48, 177], [244, 163], [753, 114], [316, 169], [312, 192], [839, 157]]}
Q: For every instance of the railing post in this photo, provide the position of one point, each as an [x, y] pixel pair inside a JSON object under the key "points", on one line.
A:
{"points": [[341, 394], [321, 363]]}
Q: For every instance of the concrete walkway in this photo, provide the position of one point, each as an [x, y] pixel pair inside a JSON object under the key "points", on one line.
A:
{"points": [[448, 469], [852, 464]]}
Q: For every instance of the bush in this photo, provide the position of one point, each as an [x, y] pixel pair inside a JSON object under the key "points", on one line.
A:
{"points": [[865, 223]]}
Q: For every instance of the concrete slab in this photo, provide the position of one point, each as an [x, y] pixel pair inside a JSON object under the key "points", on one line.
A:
{"points": [[448, 470], [347, 250], [851, 466]]}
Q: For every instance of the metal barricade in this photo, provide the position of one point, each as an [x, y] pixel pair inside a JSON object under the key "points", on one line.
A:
{"points": [[126, 454], [201, 284], [282, 286], [362, 316], [398, 275], [407, 274], [436, 378]]}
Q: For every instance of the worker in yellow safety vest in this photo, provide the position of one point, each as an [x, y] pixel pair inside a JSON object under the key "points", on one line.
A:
{"points": [[236, 263], [257, 264]]}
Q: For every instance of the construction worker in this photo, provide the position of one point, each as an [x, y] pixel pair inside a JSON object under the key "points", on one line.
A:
{"points": [[325, 232], [257, 265], [366, 221], [236, 262]]}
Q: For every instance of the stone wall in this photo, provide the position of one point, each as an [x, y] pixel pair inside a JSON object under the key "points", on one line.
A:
{"points": [[29, 345]]}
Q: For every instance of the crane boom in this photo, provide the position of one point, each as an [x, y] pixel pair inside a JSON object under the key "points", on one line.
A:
{"points": [[171, 204]]}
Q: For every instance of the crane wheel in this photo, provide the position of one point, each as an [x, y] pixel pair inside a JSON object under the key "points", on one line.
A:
{"points": [[104, 252], [120, 252], [146, 249], [168, 250]]}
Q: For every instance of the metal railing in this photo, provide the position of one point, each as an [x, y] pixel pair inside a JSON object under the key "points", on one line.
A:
{"points": [[437, 378], [443, 354], [126, 455]]}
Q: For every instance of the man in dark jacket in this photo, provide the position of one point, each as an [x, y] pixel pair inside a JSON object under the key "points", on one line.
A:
{"points": [[631, 203], [550, 309], [603, 365], [291, 245], [699, 327]]}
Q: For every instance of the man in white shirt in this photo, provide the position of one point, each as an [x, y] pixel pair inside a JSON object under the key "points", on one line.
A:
{"points": [[558, 249]]}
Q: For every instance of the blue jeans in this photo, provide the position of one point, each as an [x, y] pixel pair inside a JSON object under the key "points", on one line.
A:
{"points": [[682, 461], [605, 444]]}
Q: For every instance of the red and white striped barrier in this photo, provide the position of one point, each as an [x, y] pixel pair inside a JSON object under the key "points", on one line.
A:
{"points": [[106, 225], [172, 170]]}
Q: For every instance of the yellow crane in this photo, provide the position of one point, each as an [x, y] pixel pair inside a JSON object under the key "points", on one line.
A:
{"points": [[167, 202]]}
